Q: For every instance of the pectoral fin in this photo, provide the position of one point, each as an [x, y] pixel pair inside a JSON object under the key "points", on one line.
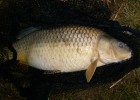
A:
{"points": [[90, 71]]}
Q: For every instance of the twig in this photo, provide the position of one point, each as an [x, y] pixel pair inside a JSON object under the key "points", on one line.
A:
{"points": [[116, 15], [118, 81]]}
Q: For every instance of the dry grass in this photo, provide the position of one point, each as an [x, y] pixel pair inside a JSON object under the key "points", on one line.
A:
{"points": [[128, 13]]}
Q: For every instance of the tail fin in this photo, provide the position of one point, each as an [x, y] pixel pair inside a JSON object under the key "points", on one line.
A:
{"points": [[3, 55], [6, 43], [5, 62]]}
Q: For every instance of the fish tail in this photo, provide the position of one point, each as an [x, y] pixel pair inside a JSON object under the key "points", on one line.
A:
{"points": [[7, 51], [6, 55]]}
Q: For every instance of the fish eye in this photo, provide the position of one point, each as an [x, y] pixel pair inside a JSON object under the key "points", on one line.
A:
{"points": [[121, 45]]}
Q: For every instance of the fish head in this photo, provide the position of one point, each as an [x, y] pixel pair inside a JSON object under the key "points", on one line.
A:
{"points": [[120, 49], [112, 50]]}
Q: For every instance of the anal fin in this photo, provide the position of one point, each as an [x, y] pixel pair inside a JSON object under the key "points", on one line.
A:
{"points": [[91, 70]]}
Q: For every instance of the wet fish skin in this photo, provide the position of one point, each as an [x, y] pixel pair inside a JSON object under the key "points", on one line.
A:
{"points": [[68, 48]]}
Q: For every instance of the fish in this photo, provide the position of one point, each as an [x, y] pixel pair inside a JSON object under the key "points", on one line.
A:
{"points": [[70, 48]]}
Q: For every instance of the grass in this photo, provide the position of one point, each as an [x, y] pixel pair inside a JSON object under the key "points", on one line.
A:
{"points": [[129, 14]]}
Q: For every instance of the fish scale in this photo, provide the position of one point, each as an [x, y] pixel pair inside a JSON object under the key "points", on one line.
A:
{"points": [[66, 48], [70, 48]]}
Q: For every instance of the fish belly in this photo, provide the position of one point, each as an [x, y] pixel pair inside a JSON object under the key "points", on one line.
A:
{"points": [[64, 49], [64, 59]]}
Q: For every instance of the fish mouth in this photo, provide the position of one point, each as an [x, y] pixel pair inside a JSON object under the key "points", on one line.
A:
{"points": [[109, 61]]}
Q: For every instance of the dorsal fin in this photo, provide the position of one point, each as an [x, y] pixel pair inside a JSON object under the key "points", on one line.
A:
{"points": [[27, 31]]}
